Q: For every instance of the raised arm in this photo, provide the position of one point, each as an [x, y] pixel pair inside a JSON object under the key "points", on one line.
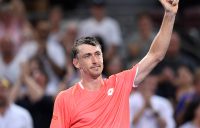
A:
{"points": [[160, 43]]}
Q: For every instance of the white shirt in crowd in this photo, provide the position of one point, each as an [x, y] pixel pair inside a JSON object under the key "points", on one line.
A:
{"points": [[108, 29], [159, 104], [16, 117], [188, 125]]}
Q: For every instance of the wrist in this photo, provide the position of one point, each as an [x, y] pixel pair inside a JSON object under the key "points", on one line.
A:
{"points": [[170, 14]]}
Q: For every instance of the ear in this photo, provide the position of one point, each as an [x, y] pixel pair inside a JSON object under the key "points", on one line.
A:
{"points": [[76, 63]]}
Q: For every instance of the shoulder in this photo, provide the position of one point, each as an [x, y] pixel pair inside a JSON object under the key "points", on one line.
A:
{"points": [[87, 21], [67, 94], [160, 99], [136, 97], [19, 111], [110, 20], [187, 125], [162, 102]]}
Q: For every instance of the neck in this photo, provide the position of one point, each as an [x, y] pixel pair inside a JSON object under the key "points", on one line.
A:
{"points": [[3, 109], [92, 84], [196, 122], [99, 19], [7, 59]]}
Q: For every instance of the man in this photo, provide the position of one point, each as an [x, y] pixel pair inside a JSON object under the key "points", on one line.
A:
{"points": [[146, 108], [103, 26], [95, 102], [11, 115]]}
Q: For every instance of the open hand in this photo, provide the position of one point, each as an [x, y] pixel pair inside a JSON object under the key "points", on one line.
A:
{"points": [[170, 6]]}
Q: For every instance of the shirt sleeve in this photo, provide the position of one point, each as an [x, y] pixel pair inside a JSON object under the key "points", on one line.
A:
{"points": [[61, 117], [128, 76]]}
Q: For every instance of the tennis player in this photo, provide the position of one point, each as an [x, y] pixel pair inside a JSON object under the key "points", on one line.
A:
{"points": [[95, 102]]}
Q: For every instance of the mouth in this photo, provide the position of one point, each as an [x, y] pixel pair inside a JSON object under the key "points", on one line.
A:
{"points": [[95, 67]]}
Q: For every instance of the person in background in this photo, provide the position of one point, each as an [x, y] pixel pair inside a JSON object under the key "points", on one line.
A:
{"points": [[139, 42], [192, 115], [12, 115], [187, 98], [99, 24], [30, 93], [148, 109]]}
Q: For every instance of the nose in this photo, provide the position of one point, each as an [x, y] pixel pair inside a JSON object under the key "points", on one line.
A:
{"points": [[94, 59]]}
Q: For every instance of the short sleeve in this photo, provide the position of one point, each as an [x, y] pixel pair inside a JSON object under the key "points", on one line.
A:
{"points": [[124, 81], [128, 76], [61, 115]]}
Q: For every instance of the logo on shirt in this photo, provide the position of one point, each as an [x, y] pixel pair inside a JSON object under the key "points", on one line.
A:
{"points": [[110, 91]]}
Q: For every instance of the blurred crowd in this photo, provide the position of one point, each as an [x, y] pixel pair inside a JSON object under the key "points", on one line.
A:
{"points": [[35, 65]]}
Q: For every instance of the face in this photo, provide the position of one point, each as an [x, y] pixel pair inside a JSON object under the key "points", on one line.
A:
{"points": [[98, 12], [197, 112], [149, 85], [56, 16], [114, 66], [6, 47], [40, 78], [174, 46], [89, 60], [145, 24]]}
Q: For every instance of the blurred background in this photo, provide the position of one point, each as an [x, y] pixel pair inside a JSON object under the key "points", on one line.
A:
{"points": [[35, 53]]}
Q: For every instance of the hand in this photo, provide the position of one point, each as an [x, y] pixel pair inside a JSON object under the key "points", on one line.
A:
{"points": [[147, 99], [170, 6]]}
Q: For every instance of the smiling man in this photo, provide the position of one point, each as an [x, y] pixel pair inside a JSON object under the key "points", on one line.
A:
{"points": [[95, 102]]}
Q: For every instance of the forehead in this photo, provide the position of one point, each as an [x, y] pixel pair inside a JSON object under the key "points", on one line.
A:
{"points": [[86, 48]]}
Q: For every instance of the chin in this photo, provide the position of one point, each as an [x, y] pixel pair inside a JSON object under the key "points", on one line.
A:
{"points": [[96, 75]]}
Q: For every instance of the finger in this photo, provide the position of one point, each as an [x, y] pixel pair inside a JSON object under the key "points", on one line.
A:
{"points": [[175, 2], [162, 2]]}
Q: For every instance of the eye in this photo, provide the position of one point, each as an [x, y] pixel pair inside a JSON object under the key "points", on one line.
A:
{"points": [[98, 53], [86, 55]]}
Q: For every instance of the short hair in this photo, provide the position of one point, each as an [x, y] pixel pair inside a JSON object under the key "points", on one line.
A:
{"points": [[84, 40]]}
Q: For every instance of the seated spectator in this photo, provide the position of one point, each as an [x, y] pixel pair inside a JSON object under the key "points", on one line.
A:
{"points": [[184, 81], [187, 98], [33, 95], [9, 60], [12, 115], [99, 24], [174, 57], [114, 66], [50, 53], [192, 115], [139, 42], [148, 109]]}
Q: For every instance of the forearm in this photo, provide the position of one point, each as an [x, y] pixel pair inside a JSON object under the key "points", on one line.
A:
{"points": [[14, 94], [35, 92], [138, 115], [161, 42]]}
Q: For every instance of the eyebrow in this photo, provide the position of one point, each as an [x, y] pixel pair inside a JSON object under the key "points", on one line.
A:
{"points": [[92, 53]]}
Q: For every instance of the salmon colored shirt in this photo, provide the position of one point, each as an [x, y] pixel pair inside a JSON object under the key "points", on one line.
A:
{"points": [[106, 108]]}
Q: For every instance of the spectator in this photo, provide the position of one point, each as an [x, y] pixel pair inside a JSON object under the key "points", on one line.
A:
{"points": [[140, 41], [148, 109], [55, 19], [114, 66], [51, 54], [174, 57], [192, 115], [187, 98], [33, 96], [102, 25], [14, 23], [9, 60], [12, 115], [70, 35], [184, 81]]}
